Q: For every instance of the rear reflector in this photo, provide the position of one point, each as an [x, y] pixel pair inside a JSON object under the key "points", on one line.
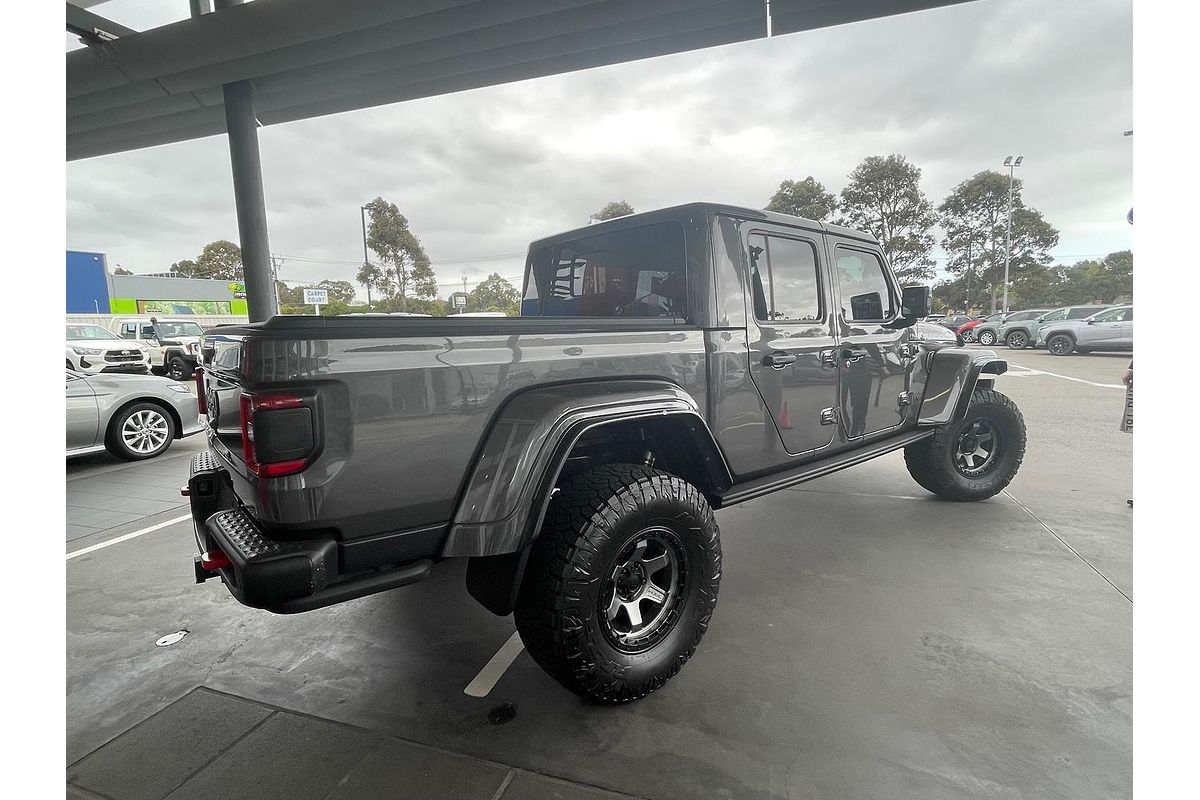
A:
{"points": [[201, 397]]}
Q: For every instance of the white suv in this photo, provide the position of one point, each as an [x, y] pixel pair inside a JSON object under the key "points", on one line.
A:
{"points": [[92, 350], [174, 343]]}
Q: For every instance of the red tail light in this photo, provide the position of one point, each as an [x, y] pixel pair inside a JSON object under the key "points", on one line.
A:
{"points": [[258, 403], [201, 397]]}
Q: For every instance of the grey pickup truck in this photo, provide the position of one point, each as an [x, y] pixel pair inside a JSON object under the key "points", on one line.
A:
{"points": [[664, 365]]}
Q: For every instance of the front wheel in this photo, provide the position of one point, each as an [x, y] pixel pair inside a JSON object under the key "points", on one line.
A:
{"points": [[621, 583], [177, 368], [1017, 340], [1060, 344], [975, 457], [987, 338], [144, 430]]}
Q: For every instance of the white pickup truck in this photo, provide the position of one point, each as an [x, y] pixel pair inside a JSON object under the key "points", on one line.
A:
{"points": [[174, 344]]}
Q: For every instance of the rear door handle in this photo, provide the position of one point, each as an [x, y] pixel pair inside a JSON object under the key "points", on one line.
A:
{"points": [[779, 360]]}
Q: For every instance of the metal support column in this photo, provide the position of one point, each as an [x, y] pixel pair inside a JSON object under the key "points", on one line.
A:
{"points": [[242, 129]]}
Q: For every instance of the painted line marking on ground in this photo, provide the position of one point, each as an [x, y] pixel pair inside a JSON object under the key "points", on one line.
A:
{"points": [[108, 468], [126, 537], [487, 678], [1031, 372]]}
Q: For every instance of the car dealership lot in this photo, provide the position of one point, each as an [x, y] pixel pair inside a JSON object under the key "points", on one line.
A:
{"points": [[870, 641]]}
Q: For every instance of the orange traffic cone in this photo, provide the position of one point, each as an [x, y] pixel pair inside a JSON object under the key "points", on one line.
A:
{"points": [[785, 421]]}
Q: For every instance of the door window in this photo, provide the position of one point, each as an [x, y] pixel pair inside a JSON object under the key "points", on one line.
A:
{"points": [[148, 332], [784, 279], [129, 330], [1114, 315], [866, 295]]}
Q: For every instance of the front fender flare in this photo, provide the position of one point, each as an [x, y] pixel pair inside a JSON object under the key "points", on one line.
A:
{"points": [[951, 378], [506, 496]]}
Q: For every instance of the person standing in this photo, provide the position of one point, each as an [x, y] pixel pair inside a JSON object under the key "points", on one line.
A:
{"points": [[1127, 419]]}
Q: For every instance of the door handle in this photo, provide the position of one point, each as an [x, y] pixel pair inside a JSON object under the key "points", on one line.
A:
{"points": [[779, 360], [852, 354]]}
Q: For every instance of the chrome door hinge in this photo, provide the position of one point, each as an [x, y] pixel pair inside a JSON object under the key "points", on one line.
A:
{"points": [[903, 399], [829, 416]]}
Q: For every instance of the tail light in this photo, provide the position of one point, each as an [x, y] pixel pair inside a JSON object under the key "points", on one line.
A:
{"points": [[277, 433], [201, 397]]}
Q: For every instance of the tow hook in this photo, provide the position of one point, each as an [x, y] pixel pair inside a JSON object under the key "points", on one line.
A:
{"points": [[207, 565]]}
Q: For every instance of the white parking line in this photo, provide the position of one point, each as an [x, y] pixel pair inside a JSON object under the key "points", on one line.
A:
{"points": [[486, 680], [126, 537], [1030, 372]]}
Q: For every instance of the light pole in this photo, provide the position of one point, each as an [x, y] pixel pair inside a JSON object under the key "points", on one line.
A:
{"points": [[366, 261], [1011, 164]]}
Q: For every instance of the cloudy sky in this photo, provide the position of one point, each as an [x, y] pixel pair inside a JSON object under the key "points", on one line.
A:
{"points": [[481, 173]]}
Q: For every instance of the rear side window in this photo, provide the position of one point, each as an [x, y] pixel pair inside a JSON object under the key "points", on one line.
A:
{"points": [[1115, 315], [784, 280], [1054, 316], [1081, 312], [866, 295], [634, 273]]}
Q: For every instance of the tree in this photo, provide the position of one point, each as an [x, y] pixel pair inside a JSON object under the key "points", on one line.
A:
{"points": [[405, 268], [221, 260], [975, 213], [806, 198], [884, 197], [495, 294], [121, 271], [289, 296], [339, 291], [612, 210]]}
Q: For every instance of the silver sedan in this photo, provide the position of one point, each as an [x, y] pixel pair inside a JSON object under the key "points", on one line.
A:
{"points": [[131, 416]]}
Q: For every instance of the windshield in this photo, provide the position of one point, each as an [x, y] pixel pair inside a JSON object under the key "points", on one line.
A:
{"points": [[89, 332], [171, 329]]}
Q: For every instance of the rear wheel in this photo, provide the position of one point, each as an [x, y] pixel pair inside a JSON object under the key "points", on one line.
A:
{"points": [[1017, 340], [987, 338], [975, 458], [621, 583], [1060, 344], [144, 430]]}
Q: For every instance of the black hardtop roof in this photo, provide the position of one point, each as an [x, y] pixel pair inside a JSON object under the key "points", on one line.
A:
{"points": [[689, 209]]}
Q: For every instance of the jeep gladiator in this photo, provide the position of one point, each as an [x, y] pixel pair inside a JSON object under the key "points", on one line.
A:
{"points": [[664, 365]]}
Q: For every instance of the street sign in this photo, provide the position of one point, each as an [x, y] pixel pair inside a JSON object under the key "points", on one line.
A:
{"points": [[316, 297], [460, 301]]}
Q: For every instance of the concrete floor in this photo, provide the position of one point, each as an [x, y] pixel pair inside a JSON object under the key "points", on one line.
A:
{"points": [[870, 641]]}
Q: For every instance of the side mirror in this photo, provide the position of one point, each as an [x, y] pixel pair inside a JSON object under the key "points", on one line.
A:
{"points": [[1091, 322], [916, 302]]}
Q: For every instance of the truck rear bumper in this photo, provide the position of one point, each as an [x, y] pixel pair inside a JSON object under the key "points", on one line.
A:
{"points": [[285, 577]]}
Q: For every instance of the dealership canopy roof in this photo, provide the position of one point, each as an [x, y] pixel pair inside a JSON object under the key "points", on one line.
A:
{"points": [[305, 58]]}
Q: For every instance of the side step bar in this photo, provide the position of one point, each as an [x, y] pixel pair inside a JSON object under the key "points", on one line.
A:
{"points": [[757, 487]]}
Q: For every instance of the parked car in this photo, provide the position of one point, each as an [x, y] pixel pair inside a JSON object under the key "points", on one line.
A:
{"points": [[174, 344], [967, 329], [956, 321], [581, 487], [1110, 329], [1019, 334], [131, 416], [92, 350], [988, 333]]}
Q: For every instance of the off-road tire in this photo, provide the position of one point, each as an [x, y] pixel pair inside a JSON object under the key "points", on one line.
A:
{"points": [[1065, 344], [987, 338], [932, 461], [561, 612], [177, 368], [1017, 340]]}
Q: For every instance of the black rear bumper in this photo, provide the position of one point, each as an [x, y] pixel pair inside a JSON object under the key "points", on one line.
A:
{"points": [[285, 577]]}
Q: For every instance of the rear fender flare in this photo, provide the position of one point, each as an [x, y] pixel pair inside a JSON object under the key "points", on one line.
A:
{"points": [[504, 501], [952, 375]]}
